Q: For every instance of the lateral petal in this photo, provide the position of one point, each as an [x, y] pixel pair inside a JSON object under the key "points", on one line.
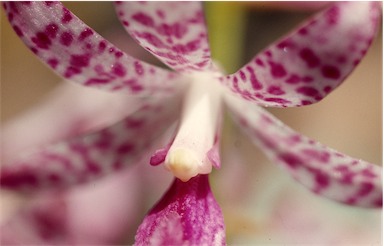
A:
{"points": [[321, 169], [82, 159], [307, 64]]}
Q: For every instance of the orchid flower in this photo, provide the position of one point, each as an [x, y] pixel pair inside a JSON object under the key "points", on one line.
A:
{"points": [[297, 70]]}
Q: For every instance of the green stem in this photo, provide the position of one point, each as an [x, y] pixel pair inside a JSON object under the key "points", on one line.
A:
{"points": [[226, 24]]}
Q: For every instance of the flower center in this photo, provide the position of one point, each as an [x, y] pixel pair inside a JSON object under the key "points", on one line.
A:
{"points": [[187, 156]]}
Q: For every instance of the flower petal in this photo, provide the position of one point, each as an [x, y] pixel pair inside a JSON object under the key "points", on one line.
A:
{"points": [[84, 158], [306, 65], [186, 215], [85, 111], [175, 32], [78, 53], [323, 170], [95, 214]]}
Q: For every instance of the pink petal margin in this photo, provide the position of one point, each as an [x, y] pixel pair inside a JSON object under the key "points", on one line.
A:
{"points": [[323, 170], [175, 32], [306, 65], [76, 52], [188, 214]]}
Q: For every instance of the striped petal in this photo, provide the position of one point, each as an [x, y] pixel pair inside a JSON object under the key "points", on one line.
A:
{"points": [[306, 65], [175, 32], [85, 158], [321, 169], [188, 214], [76, 52]]}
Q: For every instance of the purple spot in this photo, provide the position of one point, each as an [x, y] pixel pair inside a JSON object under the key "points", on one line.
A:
{"points": [[125, 148], [70, 71], [303, 31], [308, 91], [277, 70], [86, 33], [275, 90], [327, 89], [322, 180], [53, 63], [293, 79], [256, 85], [276, 100], [119, 54], [152, 39], [365, 189], [79, 61], [42, 40], [96, 81], [93, 168], [291, 160], [125, 23], [102, 46], [242, 75], [67, 16], [333, 15], [143, 19], [18, 31], [66, 38], [139, 68], [309, 57], [330, 72], [51, 30], [24, 177], [259, 62], [119, 70]]}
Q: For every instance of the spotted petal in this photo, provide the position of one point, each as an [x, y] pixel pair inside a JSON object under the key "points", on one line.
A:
{"points": [[76, 52], [321, 169], [64, 218], [306, 65], [187, 215], [175, 32], [83, 159], [85, 110]]}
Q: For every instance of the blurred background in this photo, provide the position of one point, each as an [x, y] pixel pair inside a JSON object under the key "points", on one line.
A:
{"points": [[249, 188]]}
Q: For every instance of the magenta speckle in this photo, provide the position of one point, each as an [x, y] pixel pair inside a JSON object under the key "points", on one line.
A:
{"points": [[309, 57], [143, 19], [259, 62], [322, 180], [277, 70], [303, 31], [118, 54], [327, 89], [275, 90], [53, 63], [333, 15], [85, 33], [125, 148], [256, 85], [51, 30], [308, 91], [79, 60], [139, 68], [242, 75], [102, 46], [330, 72], [67, 16], [18, 31], [119, 70], [293, 79], [42, 40], [66, 38], [291, 160]]}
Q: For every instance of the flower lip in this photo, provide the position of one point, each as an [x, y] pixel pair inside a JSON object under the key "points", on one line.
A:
{"points": [[187, 156]]}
